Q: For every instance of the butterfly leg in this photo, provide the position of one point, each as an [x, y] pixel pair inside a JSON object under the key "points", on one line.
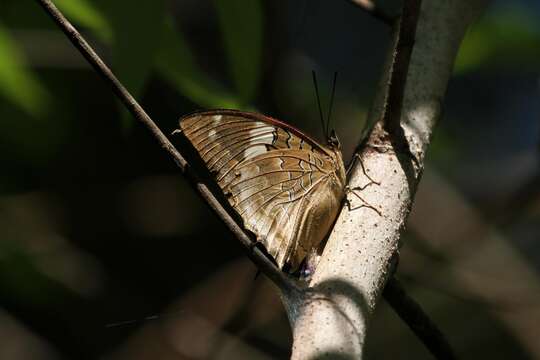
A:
{"points": [[365, 203], [365, 171], [359, 157]]}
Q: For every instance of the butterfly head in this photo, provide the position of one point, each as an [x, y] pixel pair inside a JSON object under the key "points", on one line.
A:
{"points": [[333, 140]]}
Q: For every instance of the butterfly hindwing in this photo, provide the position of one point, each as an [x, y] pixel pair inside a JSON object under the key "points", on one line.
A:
{"points": [[271, 174]]}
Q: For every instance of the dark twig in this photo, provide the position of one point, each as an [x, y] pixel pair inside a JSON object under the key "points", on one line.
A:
{"points": [[255, 254], [372, 9], [400, 65], [393, 104], [407, 309], [418, 321]]}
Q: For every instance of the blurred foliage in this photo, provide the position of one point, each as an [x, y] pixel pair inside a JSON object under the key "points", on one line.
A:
{"points": [[138, 50], [506, 38], [130, 244], [175, 63], [142, 44], [134, 44], [17, 82], [85, 13], [242, 29]]}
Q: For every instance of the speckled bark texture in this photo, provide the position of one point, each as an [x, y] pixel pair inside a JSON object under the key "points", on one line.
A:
{"points": [[330, 319]]}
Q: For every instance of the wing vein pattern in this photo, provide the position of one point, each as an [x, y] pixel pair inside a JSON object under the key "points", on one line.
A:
{"points": [[268, 173]]}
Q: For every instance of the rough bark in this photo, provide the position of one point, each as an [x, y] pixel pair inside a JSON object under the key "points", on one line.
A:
{"points": [[331, 318]]}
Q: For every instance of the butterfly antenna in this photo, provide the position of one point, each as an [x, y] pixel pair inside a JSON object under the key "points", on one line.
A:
{"points": [[331, 101], [319, 102]]}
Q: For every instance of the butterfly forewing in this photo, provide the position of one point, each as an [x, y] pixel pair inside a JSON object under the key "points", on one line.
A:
{"points": [[286, 188]]}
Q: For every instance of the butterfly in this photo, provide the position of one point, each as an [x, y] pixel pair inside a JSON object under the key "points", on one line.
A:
{"points": [[286, 187]]}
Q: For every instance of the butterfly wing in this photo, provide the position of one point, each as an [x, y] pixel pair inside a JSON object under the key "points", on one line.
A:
{"points": [[272, 175]]}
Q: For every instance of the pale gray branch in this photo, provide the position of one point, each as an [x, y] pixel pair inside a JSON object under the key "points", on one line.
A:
{"points": [[331, 321]]}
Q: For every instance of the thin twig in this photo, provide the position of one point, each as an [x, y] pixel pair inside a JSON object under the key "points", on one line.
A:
{"points": [[418, 321], [284, 282], [372, 9]]}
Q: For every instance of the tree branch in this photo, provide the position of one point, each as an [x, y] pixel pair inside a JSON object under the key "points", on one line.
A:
{"points": [[282, 280], [418, 321], [331, 321], [406, 35]]}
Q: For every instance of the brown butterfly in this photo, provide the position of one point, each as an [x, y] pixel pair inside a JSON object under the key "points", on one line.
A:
{"points": [[285, 186]]}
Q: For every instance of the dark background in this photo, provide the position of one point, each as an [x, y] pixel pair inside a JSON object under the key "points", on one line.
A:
{"points": [[98, 230]]}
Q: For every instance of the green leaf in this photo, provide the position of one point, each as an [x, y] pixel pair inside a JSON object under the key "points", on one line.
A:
{"points": [[508, 37], [134, 37], [136, 28], [242, 29], [88, 15], [175, 64], [136, 40], [17, 82]]}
